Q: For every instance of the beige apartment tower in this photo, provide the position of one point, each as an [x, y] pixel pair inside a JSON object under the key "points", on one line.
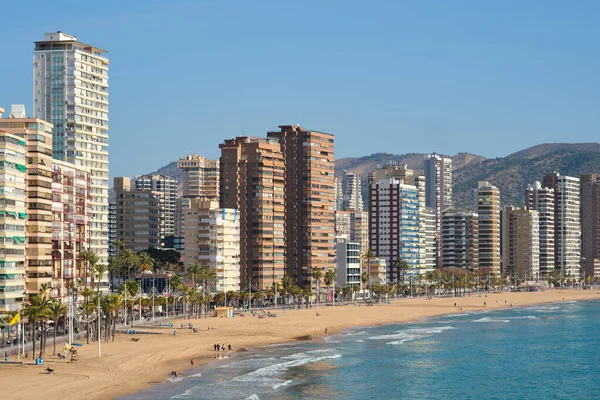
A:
{"points": [[199, 180], [212, 237], [487, 203], [252, 181], [309, 200], [521, 243], [38, 136]]}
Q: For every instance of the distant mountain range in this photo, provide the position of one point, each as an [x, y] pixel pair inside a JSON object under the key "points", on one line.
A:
{"points": [[511, 174]]}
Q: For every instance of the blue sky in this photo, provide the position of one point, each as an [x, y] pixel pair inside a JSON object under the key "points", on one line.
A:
{"points": [[383, 76]]}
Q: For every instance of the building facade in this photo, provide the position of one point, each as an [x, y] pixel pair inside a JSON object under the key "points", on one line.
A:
{"points": [[438, 185], [165, 188], [541, 199], [212, 237], [252, 172], [351, 192], [590, 225], [520, 243], [567, 226], [394, 224], [347, 262], [70, 91], [487, 203], [13, 214], [71, 228], [137, 216], [38, 188], [309, 200], [460, 240], [354, 225]]}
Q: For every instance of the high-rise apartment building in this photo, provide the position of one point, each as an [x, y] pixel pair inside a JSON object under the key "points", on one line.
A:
{"points": [[351, 192], [427, 243], [438, 185], [567, 226], [353, 225], [165, 187], [487, 204], [460, 240], [38, 189], [590, 225], [339, 194], [394, 224], [70, 90], [252, 181], [71, 228], [199, 177], [430, 261], [199, 180], [137, 216], [112, 228], [541, 199], [309, 200], [520, 243], [13, 214], [212, 237]]}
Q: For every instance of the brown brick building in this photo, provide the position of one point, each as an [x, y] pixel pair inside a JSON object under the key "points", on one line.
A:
{"points": [[309, 200]]}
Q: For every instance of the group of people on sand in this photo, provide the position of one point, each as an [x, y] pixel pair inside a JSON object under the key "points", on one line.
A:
{"points": [[219, 347], [174, 374]]}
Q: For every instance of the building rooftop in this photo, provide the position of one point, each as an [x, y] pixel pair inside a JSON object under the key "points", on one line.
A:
{"points": [[60, 38]]}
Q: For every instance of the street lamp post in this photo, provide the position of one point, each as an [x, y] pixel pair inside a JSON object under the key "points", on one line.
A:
{"points": [[99, 316]]}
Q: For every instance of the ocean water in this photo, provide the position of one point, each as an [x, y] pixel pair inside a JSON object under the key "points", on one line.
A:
{"points": [[545, 352]]}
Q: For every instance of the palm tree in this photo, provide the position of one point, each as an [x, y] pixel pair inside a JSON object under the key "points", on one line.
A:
{"points": [[329, 278], [286, 285], [365, 277], [296, 292], [220, 298], [114, 267], [307, 292], [89, 259], [98, 272], [401, 268], [57, 310], [129, 260], [367, 256], [317, 274], [195, 272], [257, 296], [145, 262], [208, 276], [36, 311]]}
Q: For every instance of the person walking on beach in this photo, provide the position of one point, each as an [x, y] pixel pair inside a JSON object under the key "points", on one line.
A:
{"points": [[223, 347], [218, 347], [229, 347]]}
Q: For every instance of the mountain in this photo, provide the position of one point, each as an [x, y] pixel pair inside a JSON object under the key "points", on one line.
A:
{"points": [[511, 174]]}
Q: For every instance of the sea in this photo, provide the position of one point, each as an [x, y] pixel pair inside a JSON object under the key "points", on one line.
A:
{"points": [[550, 351]]}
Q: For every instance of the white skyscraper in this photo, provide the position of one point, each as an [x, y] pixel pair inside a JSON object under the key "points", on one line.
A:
{"points": [[70, 90], [438, 185]]}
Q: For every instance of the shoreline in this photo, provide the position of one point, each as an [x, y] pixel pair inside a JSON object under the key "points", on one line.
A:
{"points": [[128, 367]]}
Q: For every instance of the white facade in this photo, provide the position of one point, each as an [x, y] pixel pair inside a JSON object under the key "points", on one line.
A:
{"points": [[568, 227], [352, 195], [541, 199], [212, 239], [430, 262], [347, 262], [438, 181], [70, 90]]}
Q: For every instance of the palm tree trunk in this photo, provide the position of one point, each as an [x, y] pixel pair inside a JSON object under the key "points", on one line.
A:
{"points": [[33, 340]]}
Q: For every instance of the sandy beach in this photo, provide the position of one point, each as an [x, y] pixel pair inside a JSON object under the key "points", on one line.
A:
{"points": [[127, 367]]}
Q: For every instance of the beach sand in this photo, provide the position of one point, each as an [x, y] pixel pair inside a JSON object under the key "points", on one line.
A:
{"points": [[127, 367]]}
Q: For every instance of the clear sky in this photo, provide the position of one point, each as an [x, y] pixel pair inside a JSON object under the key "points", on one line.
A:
{"points": [[383, 76]]}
